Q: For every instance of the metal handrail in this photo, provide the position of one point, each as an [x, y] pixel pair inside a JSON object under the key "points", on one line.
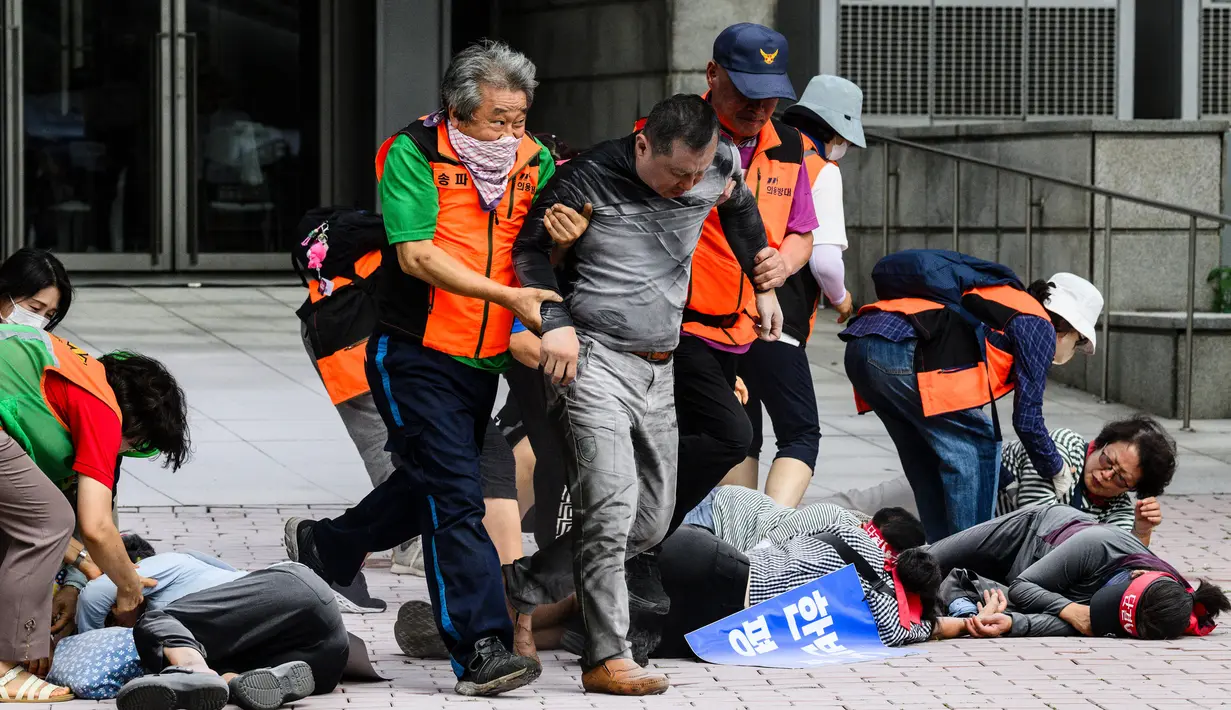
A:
{"points": [[1108, 195]]}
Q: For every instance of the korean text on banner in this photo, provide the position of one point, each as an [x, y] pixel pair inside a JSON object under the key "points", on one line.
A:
{"points": [[822, 622]]}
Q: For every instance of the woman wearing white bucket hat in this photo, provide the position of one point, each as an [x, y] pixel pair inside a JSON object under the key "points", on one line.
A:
{"points": [[909, 364], [777, 374]]}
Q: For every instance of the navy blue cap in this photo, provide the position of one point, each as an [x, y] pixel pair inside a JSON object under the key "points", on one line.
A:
{"points": [[756, 58]]}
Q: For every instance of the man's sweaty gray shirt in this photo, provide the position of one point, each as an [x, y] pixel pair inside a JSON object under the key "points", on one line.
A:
{"points": [[625, 280]]}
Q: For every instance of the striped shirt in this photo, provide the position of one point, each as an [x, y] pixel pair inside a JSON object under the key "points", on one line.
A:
{"points": [[744, 517], [781, 567], [1027, 488]]}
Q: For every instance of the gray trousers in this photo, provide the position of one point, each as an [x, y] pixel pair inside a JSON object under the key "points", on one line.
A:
{"points": [[894, 493], [266, 618], [36, 522], [1002, 548], [363, 423], [619, 438]]}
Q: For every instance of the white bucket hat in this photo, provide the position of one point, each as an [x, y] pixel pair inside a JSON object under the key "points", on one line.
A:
{"points": [[836, 101], [1077, 301]]}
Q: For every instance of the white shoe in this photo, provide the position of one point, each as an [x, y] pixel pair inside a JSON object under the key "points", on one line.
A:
{"points": [[408, 558]]}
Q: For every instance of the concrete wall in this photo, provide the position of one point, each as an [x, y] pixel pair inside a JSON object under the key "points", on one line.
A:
{"points": [[603, 64], [410, 60], [1178, 162]]}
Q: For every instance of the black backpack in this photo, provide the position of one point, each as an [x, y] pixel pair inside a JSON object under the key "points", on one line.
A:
{"points": [[347, 315]]}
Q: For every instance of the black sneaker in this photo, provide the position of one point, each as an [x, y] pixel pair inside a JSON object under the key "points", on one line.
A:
{"points": [[644, 635], [271, 688], [493, 670], [415, 631], [301, 547], [354, 598]]}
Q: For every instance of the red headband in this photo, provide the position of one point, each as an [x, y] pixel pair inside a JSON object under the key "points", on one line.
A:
{"points": [[910, 608], [1131, 598]]}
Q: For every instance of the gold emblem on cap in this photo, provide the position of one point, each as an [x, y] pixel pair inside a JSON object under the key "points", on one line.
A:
{"points": [[769, 58]]}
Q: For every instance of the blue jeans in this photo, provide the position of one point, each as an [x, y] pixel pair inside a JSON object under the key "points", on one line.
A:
{"points": [[702, 516], [951, 460]]}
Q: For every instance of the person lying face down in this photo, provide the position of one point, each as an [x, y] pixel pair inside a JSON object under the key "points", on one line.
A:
{"points": [[275, 634], [1065, 574], [708, 579]]}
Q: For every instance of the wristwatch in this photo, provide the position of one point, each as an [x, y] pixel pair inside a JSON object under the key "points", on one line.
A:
{"points": [[81, 557]]}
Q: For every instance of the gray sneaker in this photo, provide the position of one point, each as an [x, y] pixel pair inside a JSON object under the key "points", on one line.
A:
{"points": [[408, 558]]}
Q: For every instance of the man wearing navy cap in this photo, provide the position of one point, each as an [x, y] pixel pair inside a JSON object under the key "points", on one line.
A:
{"points": [[747, 77]]}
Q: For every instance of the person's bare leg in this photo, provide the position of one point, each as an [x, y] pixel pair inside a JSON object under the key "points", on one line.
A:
{"points": [[743, 474], [503, 524], [524, 455], [788, 481], [548, 623], [523, 633], [549, 639], [551, 615], [189, 658]]}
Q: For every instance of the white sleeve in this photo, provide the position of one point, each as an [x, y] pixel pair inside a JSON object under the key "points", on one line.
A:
{"points": [[829, 270], [827, 199]]}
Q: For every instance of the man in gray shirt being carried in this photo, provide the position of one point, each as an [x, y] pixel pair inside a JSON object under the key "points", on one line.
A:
{"points": [[607, 353]]}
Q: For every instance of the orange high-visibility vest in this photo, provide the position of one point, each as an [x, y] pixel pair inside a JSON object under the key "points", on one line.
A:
{"points": [[952, 376], [481, 241], [341, 365], [26, 356], [720, 297]]}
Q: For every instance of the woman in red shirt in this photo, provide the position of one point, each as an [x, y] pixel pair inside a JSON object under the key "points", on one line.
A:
{"points": [[51, 401]]}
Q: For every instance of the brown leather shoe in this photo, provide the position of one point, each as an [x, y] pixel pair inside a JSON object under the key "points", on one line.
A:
{"points": [[622, 676]]}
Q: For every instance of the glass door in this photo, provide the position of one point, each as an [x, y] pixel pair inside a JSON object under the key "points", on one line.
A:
{"points": [[248, 126], [86, 116]]}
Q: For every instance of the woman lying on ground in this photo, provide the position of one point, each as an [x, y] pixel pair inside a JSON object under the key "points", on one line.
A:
{"points": [[1067, 574], [1117, 477], [708, 579]]}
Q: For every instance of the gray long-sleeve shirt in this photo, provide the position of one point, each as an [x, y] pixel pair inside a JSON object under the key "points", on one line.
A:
{"points": [[1069, 574], [625, 280], [1045, 564]]}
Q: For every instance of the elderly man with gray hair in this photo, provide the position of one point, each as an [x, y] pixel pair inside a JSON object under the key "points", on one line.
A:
{"points": [[456, 186]]}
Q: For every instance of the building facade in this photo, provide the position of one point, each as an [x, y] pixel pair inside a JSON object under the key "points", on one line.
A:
{"points": [[190, 135]]}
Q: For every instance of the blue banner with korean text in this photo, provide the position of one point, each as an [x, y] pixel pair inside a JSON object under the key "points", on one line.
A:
{"points": [[822, 622]]}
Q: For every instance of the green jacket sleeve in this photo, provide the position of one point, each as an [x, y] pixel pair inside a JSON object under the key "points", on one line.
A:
{"points": [[408, 196], [547, 169]]}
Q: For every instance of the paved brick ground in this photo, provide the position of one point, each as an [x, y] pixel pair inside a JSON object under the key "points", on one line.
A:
{"points": [[968, 673], [265, 434]]}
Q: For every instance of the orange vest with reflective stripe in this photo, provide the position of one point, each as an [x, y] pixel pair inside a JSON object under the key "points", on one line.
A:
{"points": [[721, 298], [342, 371], [951, 375], [481, 241]]}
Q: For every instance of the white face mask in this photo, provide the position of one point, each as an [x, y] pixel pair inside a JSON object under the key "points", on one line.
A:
{"points": [[21, 316], [1066, 345], [836, 152]]}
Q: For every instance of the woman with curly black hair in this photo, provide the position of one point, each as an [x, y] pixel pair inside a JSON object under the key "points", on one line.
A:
{"points": [[66, 417]]}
